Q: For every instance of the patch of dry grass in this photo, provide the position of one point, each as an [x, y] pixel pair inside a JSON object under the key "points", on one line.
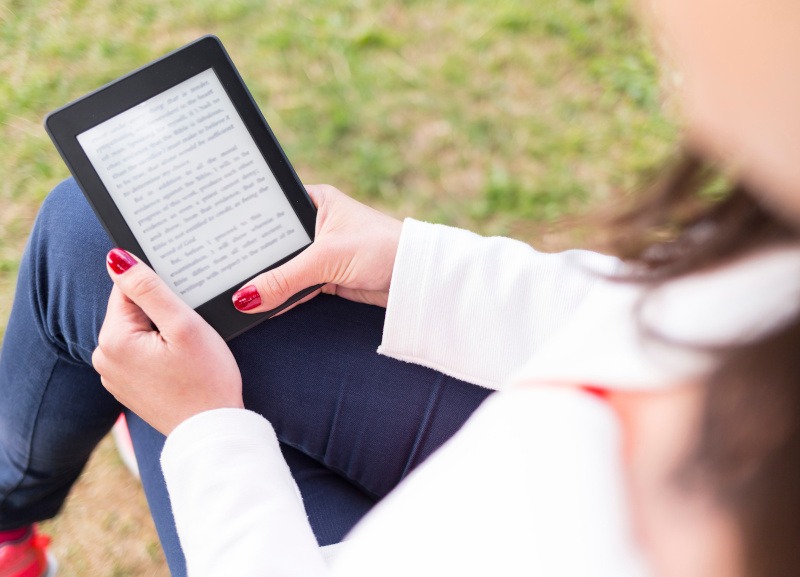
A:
{"points": [[105, 528]]}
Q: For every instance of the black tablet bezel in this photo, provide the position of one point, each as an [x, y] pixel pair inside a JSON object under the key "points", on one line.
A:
{"points": [[66, 123]]}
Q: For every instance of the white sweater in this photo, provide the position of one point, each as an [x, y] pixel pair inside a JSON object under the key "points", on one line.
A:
{"points": [[532, 484]]}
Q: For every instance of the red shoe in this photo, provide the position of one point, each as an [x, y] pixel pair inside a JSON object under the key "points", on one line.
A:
{"points": [[122, 438], [27, 557]]}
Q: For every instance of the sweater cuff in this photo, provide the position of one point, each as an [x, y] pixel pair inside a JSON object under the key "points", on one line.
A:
{"points": [[414, 319], [237, 509], [478, 308], [410, 286], [219, 428]]}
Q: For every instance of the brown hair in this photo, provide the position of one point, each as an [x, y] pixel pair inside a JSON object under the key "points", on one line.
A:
{"points": [[748, 451], [684, 222]]}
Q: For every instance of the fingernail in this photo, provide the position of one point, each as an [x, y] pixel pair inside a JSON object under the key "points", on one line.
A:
{"points": [[246, 298], [119, 260]]}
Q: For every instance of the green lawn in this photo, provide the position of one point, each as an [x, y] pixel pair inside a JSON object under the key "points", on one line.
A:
{"points": [[496, 115]]}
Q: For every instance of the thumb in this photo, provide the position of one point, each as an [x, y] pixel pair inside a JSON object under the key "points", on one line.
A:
{"points": [[284, 285], [141, 285]]}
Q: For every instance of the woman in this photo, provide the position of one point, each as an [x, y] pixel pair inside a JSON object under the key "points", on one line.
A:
{"points": [[648, 428]]}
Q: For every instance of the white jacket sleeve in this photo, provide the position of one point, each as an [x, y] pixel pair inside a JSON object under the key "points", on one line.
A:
{"points": [[236, 507], [477, 308]]}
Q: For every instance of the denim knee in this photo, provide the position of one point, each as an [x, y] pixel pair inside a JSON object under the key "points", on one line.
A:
{"points": [[66, 220], [64, 271]]}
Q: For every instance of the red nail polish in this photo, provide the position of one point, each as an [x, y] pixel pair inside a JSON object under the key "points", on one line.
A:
{"points": [[246, 298], [119, 260]]}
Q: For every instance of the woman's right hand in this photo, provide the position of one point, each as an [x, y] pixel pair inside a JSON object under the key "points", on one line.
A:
{"points": [[352, 255]]}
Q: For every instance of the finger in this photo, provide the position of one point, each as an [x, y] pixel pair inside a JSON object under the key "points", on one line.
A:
{"points": [[122, 311], [273, 288], [109, 386], [140, 285], [98, 360], [122, 318], [318, 193], [285, 308]]}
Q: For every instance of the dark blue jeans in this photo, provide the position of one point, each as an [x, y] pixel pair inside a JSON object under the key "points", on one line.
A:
{"points": [[352, 423]]}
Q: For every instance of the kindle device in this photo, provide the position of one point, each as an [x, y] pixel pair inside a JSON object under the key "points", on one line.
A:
{"points": [[182, 169]]}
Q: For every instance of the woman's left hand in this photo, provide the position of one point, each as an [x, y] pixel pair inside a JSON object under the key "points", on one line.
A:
{"points": [[168, 372]]}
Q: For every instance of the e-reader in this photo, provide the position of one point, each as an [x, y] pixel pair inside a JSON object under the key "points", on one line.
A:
{"points": [[183, 170]]}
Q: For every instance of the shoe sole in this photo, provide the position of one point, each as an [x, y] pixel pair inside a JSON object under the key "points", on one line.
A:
{"points": [[52, 566], [122, 439]]}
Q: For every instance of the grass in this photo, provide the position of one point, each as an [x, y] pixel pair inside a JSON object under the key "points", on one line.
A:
{"points": [[495, 115], [106, 529]]}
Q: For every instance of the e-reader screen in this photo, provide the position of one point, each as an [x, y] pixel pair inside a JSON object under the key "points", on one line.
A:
{"points": [[193, 187]]}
